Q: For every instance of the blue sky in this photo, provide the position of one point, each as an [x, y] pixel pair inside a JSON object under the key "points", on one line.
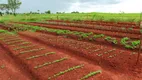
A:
{"points": [[130, 6], [3, 1]]}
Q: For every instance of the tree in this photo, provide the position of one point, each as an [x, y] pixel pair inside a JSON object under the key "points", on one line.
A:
{"points": [[48, 12], [13, 5], [75, 12], [3, 7], [0, 13], [38, 11]]}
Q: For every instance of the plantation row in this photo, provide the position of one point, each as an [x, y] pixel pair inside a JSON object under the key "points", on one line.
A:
{"points": [[101, 23], [97, 31], [41, 60], [95, 27], [101, 54], [125, 41]]}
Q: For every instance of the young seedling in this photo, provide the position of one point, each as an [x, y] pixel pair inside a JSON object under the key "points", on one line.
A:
{"points": [[10, 43], [65, 71], [12, 39], [49, 63], [23, 43], [91, 74], [24, 47], [2, 66], [41, 55], [33, 50]]}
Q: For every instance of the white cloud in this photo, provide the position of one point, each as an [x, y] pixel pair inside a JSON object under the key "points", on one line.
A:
{"points": [[130, 6]]}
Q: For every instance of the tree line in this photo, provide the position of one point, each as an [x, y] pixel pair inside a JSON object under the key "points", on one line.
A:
{"points": [[12, 6]]}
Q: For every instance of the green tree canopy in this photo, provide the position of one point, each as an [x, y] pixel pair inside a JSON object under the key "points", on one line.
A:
{"points": [[48, 12], [13, 5]]}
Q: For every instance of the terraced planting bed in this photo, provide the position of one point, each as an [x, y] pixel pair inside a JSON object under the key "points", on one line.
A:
{"points": [[43, 63], [104, 54], [59, 50], [126, 42], [97, 31], [9, 67], [103, 23]]}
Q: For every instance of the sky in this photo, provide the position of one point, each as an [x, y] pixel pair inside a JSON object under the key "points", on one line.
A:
{"points": [[128, 6]]}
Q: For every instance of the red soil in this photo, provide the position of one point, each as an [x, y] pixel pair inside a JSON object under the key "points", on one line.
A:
{"points": [[123, 62], [45, 72], [9, 69], [119, 67]]}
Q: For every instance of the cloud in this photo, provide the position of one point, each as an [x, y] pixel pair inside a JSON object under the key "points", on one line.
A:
{"points": [[44, 5], [81, 5], [102, 2], [129, 6]]}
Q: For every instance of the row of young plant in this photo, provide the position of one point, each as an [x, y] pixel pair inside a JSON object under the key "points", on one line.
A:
{"points": [[99, 27], [81, 35], [74, 68], [2, 66], [13, 40], [106, 52], [97, 22], [52, 62], [40, 55]]}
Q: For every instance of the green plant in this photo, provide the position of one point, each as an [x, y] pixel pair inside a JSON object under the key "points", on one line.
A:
{"points": [[49, 63], [24, 47], [10, 43], [33, 50], [2, 66], [135, 43], [12, 39], [110, 39], [21, 44], [98, 36], [124, 40], [91, 74], [41, 55], [109, 51], [130, 44], [3, 31], [130, 29], [65, 71]]}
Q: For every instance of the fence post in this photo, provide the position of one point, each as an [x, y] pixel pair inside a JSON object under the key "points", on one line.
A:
{"points": [[138, 58], [57, 17]]}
